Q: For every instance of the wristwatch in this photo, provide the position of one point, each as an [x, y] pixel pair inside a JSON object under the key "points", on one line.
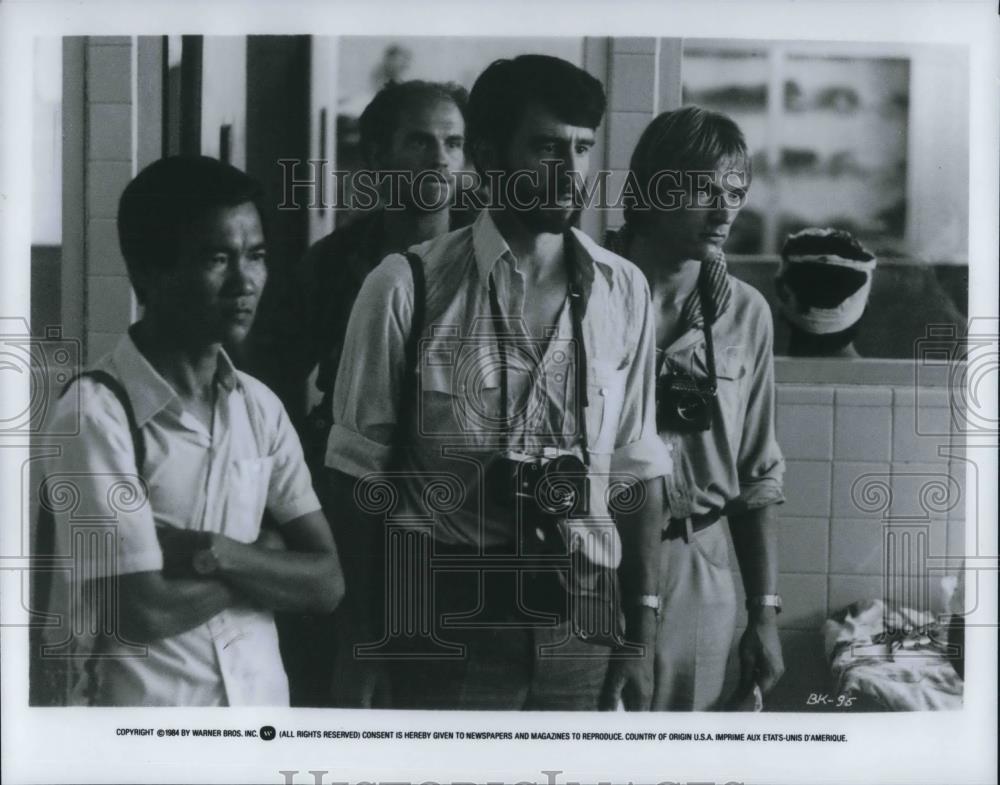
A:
{"points": [[205, 561], [764, 601], [650, 601]]}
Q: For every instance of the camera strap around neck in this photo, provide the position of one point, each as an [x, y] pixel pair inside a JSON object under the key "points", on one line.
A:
{"points": [[576, 305], [707, 320]]}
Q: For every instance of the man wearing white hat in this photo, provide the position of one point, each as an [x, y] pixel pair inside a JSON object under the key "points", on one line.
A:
{"points": [[823, 285]]}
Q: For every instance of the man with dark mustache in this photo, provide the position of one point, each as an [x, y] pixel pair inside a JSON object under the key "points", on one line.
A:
{"points": [[534, 360]]}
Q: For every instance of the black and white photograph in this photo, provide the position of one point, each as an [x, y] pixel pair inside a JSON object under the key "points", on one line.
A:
{"points": [[416, 405]]}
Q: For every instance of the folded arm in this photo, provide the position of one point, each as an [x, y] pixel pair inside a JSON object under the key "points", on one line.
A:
{"points": [[151, 606], [306, 577]]}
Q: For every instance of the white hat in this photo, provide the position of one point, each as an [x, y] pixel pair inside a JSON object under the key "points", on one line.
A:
{"points": [[838, 249]]}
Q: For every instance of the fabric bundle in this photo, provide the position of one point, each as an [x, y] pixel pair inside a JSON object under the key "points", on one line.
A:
{"points": [[898, 658]]}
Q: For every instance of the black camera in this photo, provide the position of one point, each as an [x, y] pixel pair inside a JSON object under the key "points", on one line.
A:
{"points": [[683, 405], [539, 493]]}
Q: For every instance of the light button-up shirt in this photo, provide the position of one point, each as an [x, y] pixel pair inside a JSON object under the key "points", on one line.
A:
{"points": [[458, 427], [217, 479]]}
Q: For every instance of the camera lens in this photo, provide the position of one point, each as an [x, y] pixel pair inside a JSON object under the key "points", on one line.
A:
{"points": [[562, 489], [690, 408]]}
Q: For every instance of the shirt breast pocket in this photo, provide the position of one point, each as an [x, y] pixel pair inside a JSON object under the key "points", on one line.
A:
{"points": [[459, 402], [729, 363], [246, 497], [733, 378], [605, 399]]}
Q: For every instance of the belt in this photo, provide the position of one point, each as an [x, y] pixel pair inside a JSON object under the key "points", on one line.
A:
{"points": [[678, 527]]}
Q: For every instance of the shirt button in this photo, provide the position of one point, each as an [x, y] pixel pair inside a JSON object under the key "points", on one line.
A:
{"points": [[604, 391]]}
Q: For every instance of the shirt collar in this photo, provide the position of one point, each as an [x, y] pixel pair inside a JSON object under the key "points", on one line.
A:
{"points": [[225, 372], [594, 257], [148, 392], [489, 247]]}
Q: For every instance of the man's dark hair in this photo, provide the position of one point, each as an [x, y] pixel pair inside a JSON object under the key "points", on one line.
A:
{"points": [[507, 88], [684, 140], [166, 198], [381, 118]]}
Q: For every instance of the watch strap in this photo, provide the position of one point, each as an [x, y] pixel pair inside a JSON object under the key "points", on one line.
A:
{"points": [[764, 601], [650, 601], [205, 561]]}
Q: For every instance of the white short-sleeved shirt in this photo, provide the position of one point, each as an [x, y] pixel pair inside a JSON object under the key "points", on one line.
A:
{"points": [[219, 480]]}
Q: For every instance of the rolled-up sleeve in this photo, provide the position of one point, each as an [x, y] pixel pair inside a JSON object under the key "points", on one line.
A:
{"points": [[639, 451], [760, 465], [367, 394]]}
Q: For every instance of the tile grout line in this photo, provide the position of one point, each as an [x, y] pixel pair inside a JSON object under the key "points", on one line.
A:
{"points": [[829, 518]]}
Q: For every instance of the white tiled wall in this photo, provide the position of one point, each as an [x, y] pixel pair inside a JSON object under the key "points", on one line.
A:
{"points": [[108, 169], [634, 73], [838, 440]]}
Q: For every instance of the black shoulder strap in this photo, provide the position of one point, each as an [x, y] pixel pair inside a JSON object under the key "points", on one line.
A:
{"points": [[708, 316], [419, 313], [49, 680], [116, 388], [407, 407]]}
